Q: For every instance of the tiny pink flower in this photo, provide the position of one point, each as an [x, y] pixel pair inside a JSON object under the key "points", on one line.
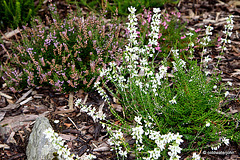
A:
{"points": [[197, 30], [183, 37], [160, 35]]}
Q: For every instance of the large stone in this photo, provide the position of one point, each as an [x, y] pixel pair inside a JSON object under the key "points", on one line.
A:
{"points": [[39, 147]]}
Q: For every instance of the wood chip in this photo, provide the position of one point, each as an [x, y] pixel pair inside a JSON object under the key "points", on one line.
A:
{"points": [[64, 111], [5, 95], [67, 137], [10, 34], [2, 114], [11, 138], [27, 100], [24, 96], [70, 101], [85, 99], [10, 107], [5, 146], [117, 107]]}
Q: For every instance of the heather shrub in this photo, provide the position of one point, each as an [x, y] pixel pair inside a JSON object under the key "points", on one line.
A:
{"points": [[66, 54]]}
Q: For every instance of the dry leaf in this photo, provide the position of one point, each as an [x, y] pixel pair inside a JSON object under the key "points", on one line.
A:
{"points": [[68, 125], [5, 146], [2, 114], [117, 107], [67, 137]]}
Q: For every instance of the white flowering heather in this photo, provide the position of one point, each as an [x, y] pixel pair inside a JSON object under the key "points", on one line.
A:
{"points": [[91, 111], [227, 32], [62, 150], [136, 60], [117, 141], [160, 140], [207, 38], [100, 90]]}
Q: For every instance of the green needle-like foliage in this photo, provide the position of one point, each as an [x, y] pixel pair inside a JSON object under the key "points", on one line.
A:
{"points": [[17, 12]]}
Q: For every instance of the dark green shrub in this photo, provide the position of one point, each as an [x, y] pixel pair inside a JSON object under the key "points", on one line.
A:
{"points": [[17, 12], [121, 5]]}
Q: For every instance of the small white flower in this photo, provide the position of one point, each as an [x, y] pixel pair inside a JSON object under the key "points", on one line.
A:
{"points": [[215, 87], [78, 101], [207, 123], [138, 119], [189, 34], [156, 10], [226, 141], [123, 153], [207, 59], [173, 101], [132, 9], [229, 83], [226, 93], [196, 156]]}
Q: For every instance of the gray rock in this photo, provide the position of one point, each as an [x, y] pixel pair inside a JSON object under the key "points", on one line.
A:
{"points": [[39, 147]]}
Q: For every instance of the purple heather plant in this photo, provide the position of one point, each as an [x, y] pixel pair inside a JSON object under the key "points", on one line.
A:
{"points": [[66, 53]]}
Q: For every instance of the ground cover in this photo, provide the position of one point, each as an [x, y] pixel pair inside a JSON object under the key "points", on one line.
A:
{"points": [[93, 131]]}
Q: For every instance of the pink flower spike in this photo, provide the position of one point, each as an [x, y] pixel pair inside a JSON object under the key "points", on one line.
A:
{"points": [[197, 30], [166, 27], [183, 37], [137, 32], [219, 39], [164, 39]]}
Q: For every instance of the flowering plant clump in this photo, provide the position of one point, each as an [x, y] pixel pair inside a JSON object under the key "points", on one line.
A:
{"points": [[66, 54], [172, 32], [180, 99]]}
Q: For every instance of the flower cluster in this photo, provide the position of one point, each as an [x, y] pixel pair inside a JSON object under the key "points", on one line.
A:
{"points": [[117, 141], [207, 38], [62, 150], [218, 145], [91, 111], [161, 141], [227, 32]]}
